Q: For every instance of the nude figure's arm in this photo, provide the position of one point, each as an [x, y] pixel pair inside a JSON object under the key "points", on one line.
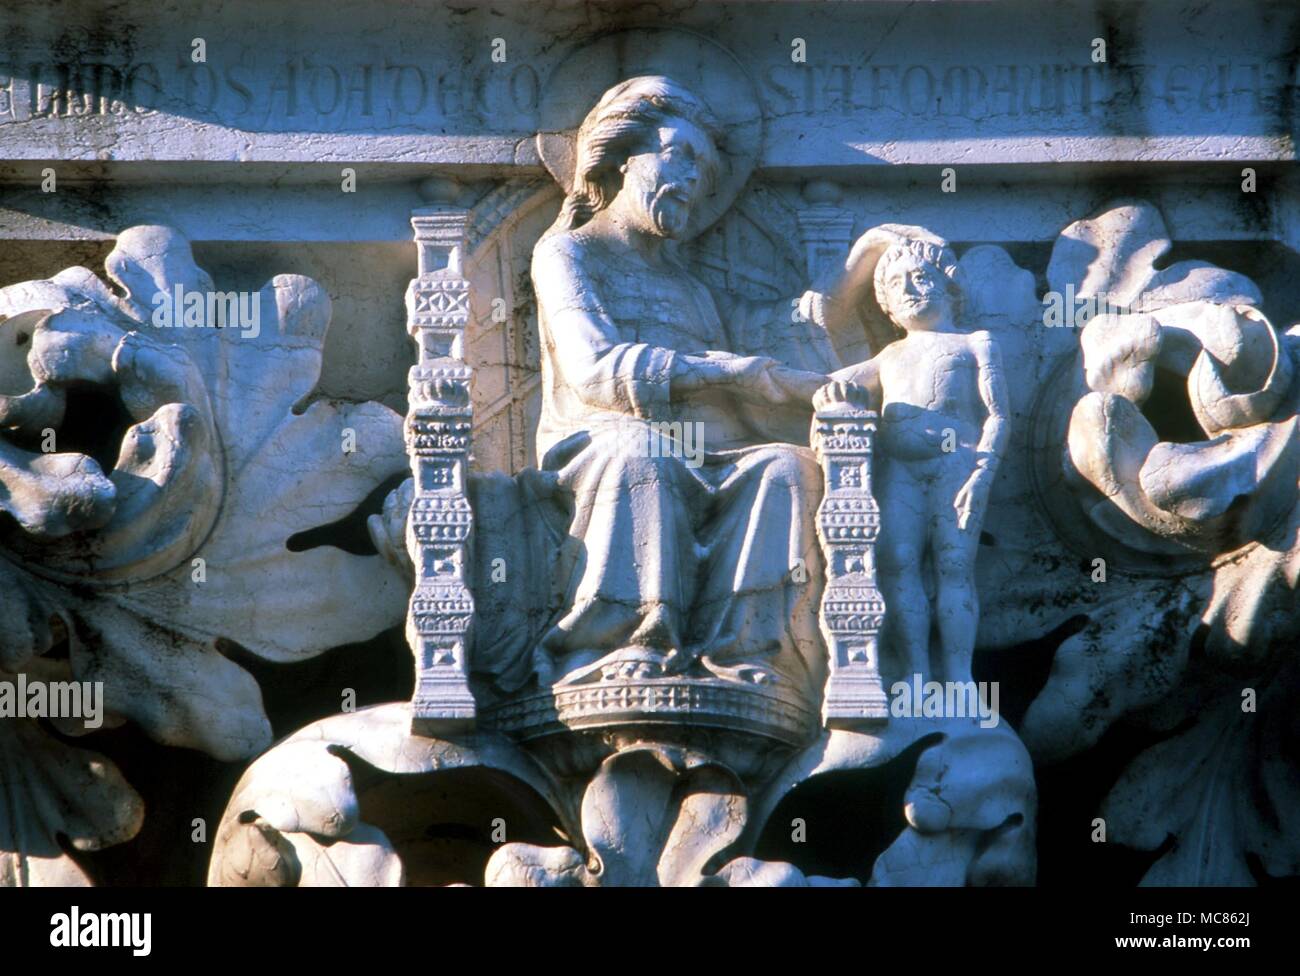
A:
{"points": [[865, 374], [993, 391], [973, 496]]}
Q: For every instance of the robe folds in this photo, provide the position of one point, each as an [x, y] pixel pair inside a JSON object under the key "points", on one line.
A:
{"points": [[690, 542]]}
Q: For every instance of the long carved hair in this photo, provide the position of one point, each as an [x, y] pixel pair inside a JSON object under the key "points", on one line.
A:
{"points": [[620, 122]]}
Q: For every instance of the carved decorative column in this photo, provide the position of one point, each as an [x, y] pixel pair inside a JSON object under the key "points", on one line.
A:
{"points": [[826, 234], [848, 521], [825, 229], [440, 620]]}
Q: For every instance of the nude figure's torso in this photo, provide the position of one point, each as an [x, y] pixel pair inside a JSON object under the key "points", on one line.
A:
{"points": [[930, 384]]}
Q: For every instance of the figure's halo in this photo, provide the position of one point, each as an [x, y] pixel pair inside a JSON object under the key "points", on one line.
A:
{"points": [[711, 72]]}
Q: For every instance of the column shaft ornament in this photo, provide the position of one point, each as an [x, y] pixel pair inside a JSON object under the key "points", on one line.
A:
{"points": [[825, 230], [848, 521], [438, 423]]}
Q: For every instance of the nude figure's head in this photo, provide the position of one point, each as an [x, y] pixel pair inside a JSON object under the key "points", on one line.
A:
{"points": [[647, 149], [918, 285]]}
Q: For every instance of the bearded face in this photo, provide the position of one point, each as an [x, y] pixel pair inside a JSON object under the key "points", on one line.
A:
{"points": [[663, 177]]}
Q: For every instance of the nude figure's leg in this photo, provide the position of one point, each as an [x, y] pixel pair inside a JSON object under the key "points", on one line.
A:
{"points": [[899, 549], [956, 604]]}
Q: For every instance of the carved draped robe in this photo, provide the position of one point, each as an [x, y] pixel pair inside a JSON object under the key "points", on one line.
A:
{"points": [[680, 562]]}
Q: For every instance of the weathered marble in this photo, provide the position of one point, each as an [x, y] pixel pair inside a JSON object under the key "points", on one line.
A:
{"points": [[889, 402], [142, 574]]}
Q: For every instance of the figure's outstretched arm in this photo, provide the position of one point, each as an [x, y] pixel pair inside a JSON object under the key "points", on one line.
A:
{"points": [[756, 379], [639, 378], [865, 374]]}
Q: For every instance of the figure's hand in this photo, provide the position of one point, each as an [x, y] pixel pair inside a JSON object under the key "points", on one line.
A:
{"points": [[841, 391], [798, 385], [864, 375], [972, 499], [757, 379], [388, 530], [763, 380], [858, 374]]}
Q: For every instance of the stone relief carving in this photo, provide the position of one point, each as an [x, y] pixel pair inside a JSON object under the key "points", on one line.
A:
{"points": [[679, 667], [743, 513], [848, 522], [944, 426], [649, 397], [1145, 651], [438, 428], [140, 554], [1195, 521]]}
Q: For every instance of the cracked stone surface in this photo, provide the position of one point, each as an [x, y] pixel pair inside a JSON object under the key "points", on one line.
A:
{"points": [[986, 332]]}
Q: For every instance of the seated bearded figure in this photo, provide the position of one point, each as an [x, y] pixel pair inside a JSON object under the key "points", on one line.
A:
{"points": [[670, 428]]}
